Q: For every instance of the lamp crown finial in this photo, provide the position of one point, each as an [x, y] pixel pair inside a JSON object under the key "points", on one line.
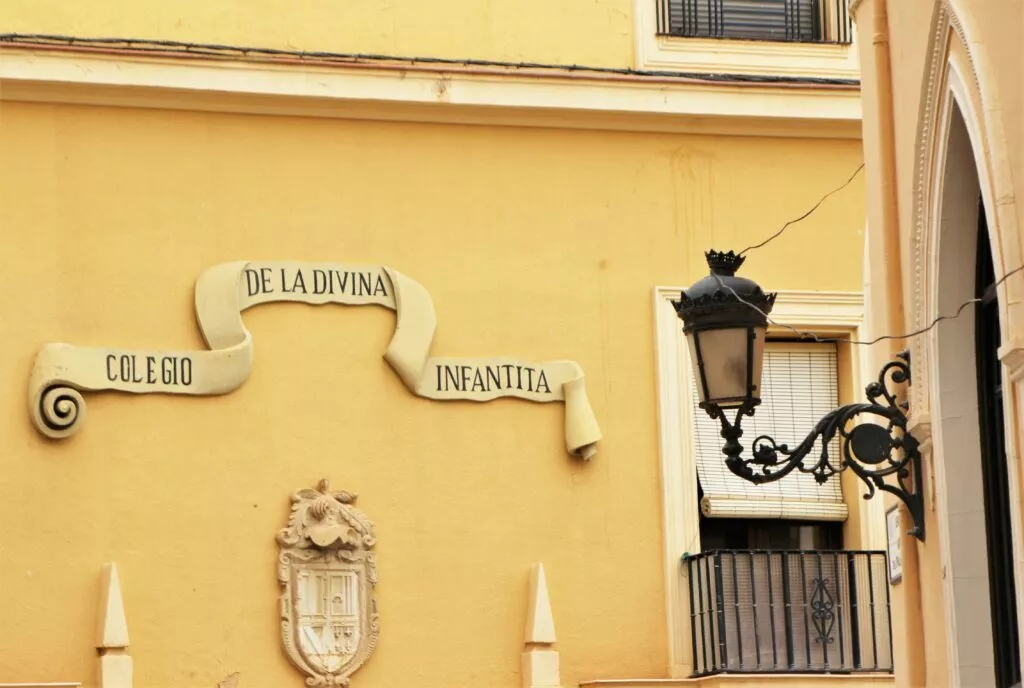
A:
{"points": [[722, 263]]}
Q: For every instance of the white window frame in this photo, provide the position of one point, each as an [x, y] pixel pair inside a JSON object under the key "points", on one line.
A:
{"points": [[822, 312], [730, 56], [799, 496]]}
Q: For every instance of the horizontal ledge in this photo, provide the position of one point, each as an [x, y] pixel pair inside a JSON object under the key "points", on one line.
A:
{"points": [[832, 62], [429, 94], [190, 51], [745, 679], [795, 296]]}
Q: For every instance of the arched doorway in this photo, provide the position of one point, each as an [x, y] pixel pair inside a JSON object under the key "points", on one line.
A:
{"points": [[968, 405], [970, 440]]}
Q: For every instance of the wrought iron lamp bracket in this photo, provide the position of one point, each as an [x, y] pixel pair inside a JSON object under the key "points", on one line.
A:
{"points": [[872, 450]]}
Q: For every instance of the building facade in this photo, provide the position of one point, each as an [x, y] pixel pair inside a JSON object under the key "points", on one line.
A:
{"points": [[520, 189], [943, 148]]}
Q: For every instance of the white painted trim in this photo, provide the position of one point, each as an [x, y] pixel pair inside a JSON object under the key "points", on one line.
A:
{"points": [[720, 56], [679, 486], [816, 311], [929, 299], [438, 94]]}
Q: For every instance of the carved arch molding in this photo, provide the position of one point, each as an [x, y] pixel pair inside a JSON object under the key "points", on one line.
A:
{"points": [[953, 57]]}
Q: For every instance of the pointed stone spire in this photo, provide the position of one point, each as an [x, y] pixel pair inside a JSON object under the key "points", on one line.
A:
{"points": [[230, 682], [115, 666], [113, 626], [539, 660], [540, 623]]}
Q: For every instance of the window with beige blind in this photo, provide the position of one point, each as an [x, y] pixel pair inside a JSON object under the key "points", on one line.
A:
{"points": [[799, 385]]}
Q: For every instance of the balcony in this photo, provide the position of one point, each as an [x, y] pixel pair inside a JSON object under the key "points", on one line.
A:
{"points": [[807, 611], [802, 21]]}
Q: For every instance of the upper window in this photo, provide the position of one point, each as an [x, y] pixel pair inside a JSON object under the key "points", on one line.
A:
{"points": [[805, 21], [777, 38]]}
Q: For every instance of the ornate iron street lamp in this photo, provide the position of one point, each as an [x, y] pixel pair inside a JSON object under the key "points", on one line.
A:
{"points": [[725, 319]]}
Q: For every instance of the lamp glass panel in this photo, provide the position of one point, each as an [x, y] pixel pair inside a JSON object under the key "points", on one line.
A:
{"points": [[758, 361], [724, 354], [691, 342]]}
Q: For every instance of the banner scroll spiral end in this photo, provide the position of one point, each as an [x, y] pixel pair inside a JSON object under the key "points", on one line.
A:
{"points": [[57, 410], [56, 405]]}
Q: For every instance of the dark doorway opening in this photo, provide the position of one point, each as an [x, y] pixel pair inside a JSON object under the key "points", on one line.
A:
{"points": [[995, 478]]}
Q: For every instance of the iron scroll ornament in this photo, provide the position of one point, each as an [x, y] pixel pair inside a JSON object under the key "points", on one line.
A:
{"points": [[873, 451]]}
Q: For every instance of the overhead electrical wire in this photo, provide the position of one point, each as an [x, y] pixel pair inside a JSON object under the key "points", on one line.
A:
{"points": [[826, 340], [808, 213], [803, 334]]}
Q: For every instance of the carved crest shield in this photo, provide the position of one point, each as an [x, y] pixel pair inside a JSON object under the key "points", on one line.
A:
{"points": [[327, 571]]}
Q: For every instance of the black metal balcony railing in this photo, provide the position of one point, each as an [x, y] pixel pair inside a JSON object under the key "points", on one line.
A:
{"points": [[804, 21], [808, 611]]}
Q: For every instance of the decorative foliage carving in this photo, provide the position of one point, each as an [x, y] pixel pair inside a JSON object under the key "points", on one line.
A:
{"points": [[329, 622]]}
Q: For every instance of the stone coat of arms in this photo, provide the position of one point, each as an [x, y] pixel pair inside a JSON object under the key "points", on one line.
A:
{"points": [[327, 571]]}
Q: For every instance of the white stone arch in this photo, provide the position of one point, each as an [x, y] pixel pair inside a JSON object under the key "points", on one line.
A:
{"points": [[956, 63], [960, 140]]}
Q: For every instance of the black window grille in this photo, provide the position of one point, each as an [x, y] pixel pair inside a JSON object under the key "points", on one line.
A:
{"points": [[800, 611], [804, 21]]}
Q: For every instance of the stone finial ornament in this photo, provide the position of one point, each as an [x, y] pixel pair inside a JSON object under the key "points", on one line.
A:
{"points": [[230, 681], [540, 659], [540, 622], [115, 665], [327, 571]]}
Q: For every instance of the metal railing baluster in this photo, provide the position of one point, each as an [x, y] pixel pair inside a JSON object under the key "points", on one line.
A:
{"points": [[807, 624], [720, 599], [888, 615], [839, 608], [736, 608], [825, 639], [710, 616], [694, 612], [871, 607], [753, 606]]}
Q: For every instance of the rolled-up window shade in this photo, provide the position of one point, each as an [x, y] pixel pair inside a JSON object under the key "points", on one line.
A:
{"points": [[773, 20], [798, 386]]}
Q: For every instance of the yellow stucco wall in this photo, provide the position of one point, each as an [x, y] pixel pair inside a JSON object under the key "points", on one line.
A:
{"points": [[532, 242], [587, 32]]}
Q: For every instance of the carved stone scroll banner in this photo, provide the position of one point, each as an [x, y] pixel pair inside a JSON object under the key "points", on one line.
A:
{"points": [[63, 371]]}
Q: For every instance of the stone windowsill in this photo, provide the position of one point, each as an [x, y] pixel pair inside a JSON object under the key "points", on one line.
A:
{"points": [[801, 680]]}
